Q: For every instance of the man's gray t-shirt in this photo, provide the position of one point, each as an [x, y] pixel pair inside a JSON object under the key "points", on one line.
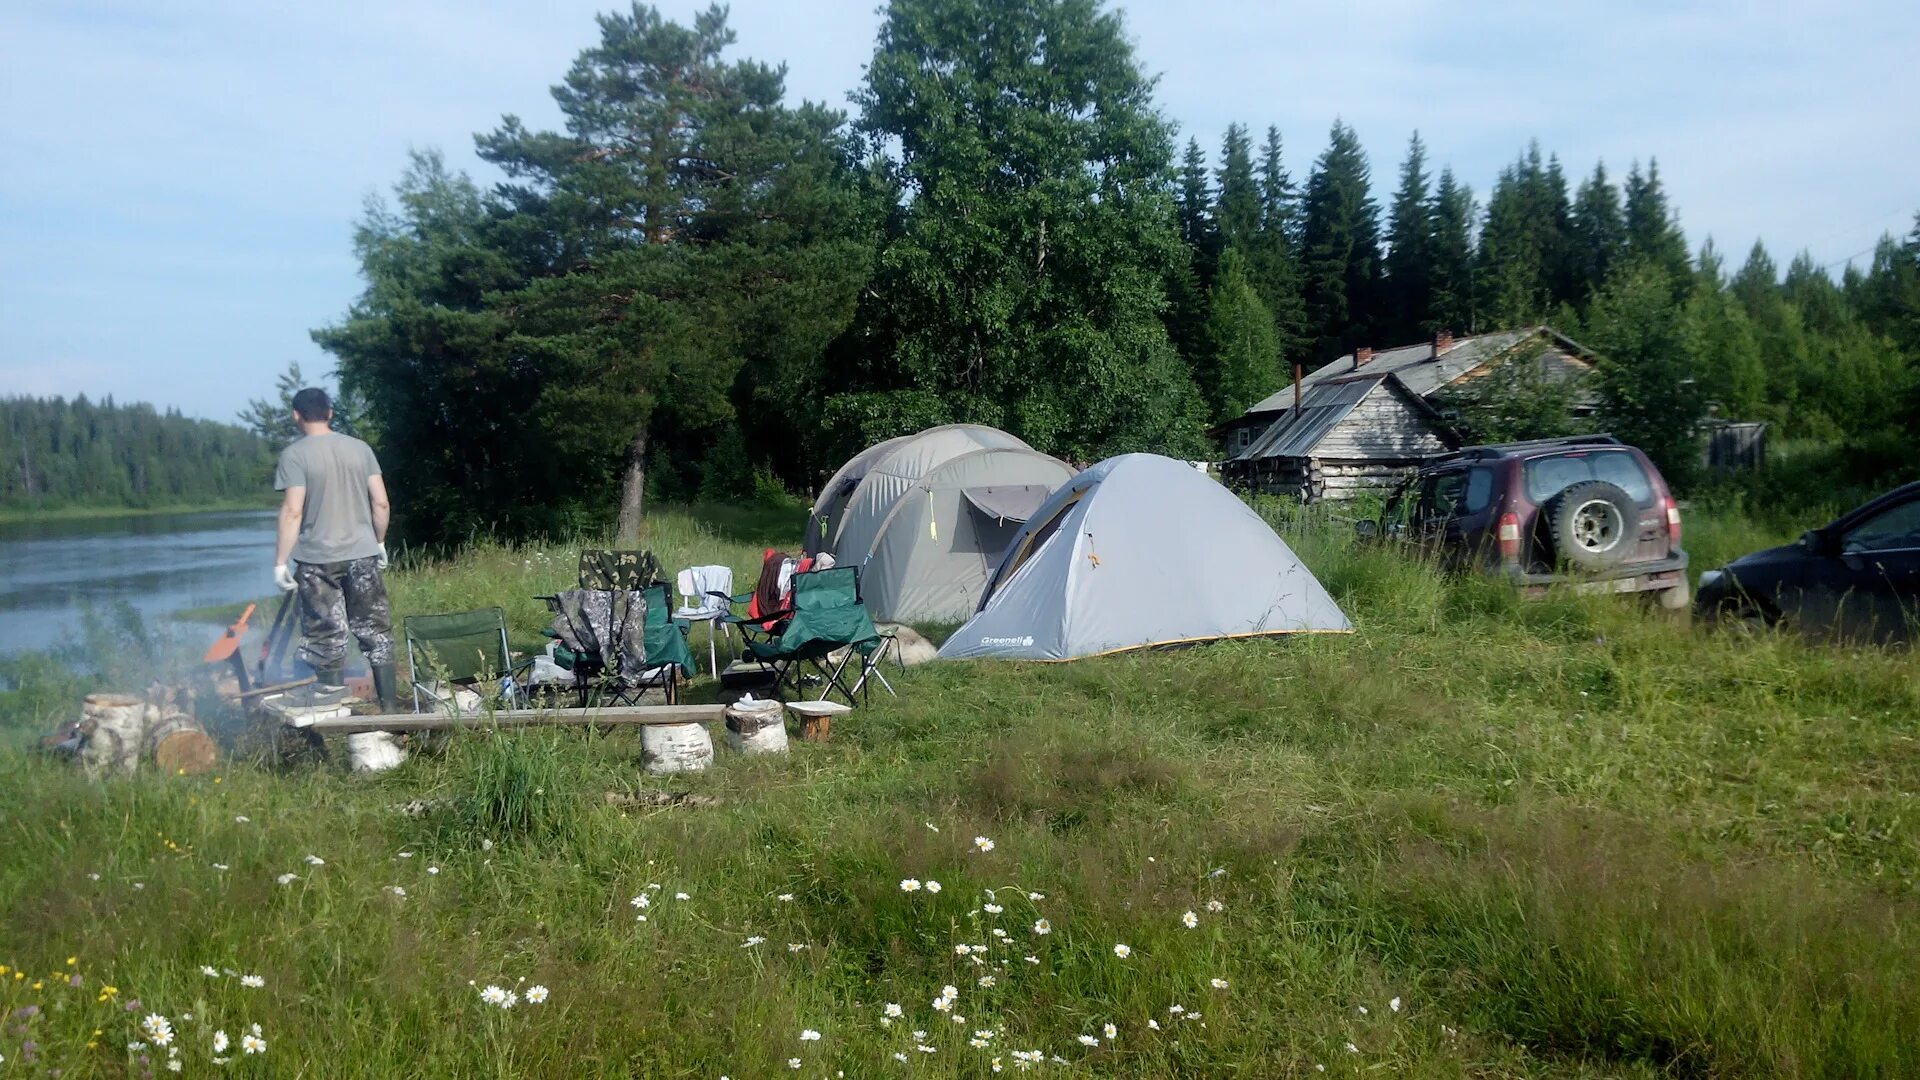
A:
{"points": [[338, 522]]}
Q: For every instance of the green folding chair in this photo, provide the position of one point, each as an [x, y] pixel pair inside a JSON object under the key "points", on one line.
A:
{"points": [[825, 616], [466, 648], [669, 656]]}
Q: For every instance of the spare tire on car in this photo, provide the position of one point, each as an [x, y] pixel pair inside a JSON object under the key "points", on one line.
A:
{"points": [[1593, 525]]}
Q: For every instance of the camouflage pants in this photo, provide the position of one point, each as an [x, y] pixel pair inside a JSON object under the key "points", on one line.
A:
{"points": [[341, 598]]}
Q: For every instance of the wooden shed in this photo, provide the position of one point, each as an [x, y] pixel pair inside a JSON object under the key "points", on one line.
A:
{"points": [[1367, 420]]}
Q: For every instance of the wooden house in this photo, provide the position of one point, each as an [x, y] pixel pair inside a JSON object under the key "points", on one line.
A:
{"points": [[1366, 420]]}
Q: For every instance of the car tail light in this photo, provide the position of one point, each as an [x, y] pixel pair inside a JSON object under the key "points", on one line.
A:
{"points": [[1673, 522], [1510, 537]]}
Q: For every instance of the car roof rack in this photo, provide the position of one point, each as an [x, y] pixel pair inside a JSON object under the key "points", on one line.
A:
{"points": [[1494, 450]]}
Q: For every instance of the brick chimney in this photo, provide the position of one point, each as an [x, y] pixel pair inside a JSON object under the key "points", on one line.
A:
{"points": [[1361, 355], [1442, 341]]}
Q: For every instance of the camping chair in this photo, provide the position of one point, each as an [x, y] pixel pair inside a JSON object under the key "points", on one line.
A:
{"points": [[826, 616], [598, 620], [465, 648], [705, 597]]}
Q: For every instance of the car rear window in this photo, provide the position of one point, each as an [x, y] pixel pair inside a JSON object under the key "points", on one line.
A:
{"points": [[1549, 476]]}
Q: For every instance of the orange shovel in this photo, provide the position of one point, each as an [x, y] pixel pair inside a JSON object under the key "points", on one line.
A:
{"points": [[229, 642]]}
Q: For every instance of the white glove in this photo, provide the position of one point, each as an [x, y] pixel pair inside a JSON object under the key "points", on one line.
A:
{"points": [[283, 577], [383, 557]]}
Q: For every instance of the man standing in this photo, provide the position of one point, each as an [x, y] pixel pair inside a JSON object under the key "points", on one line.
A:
{"points": [[333, 528]]}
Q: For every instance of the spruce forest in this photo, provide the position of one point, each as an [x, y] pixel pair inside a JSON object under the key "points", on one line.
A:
{"points": [[698, 288], [56, 453]]}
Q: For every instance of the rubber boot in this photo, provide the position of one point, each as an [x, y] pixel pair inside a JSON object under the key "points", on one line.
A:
{"points": [[328, 686], [385, 689]]}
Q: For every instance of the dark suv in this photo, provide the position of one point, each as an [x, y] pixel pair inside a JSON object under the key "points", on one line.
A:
{"points": [[1587, 510]]}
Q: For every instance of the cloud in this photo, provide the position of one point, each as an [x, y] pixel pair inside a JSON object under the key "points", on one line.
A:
{"points": [[182, 179]]}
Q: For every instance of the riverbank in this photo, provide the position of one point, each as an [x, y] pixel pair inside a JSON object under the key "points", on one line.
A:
{"points": [[11, 515], [1567, 837]]}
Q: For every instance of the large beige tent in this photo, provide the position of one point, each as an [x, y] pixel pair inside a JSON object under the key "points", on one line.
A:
{"points": [[926, 517]]}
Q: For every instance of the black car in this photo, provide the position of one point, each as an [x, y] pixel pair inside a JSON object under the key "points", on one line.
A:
{"points": [[1857, 579]]}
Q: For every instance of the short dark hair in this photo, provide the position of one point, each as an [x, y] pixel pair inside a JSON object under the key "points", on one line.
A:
{"points": [[312, 404]]}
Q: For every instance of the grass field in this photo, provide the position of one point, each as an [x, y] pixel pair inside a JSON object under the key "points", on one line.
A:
{"points": [[1479, 837]]}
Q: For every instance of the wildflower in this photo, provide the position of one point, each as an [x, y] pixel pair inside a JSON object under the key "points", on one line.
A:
{"points": [[923, 1048], [793, 1063], [397, 891], [1112, 1032], [433, 869], [220, 866], [135, 1047], [511, 1000], [139, 885], [72, 960], [1394, 1004], [752, 941], [982, 844], [93, 877], [993, 909], [785, 898], [809, 1035], [910, 885], [536, 994], [996, 1064], [1189, 920], [977, 1043], [493, 995], [209, 971], [1123, 951], [1176, 1010], [1036, 897], [315, 860], [1042, 926], [173, 1064], [1219, 984], [998, 932], [795, 946], [941, 1004], [932, 885], [1088, 1040], [253, 1044], [220, 1042], [1363, 1010], [158, 1029], [949, 992], [919, 1036], [1352, 1049], [893, 1010], [962, 950], [486, 844], [252, 982], [242, 818], [1033, 959], [287, 879], [986, 981], [899, 1057], [984, 1033], [1216, 906], [932, 826], [643, 901], [406, 855], [1152, 1023]]}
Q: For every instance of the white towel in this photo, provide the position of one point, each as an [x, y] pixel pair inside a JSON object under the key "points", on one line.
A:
{"points": [[696, 582]]}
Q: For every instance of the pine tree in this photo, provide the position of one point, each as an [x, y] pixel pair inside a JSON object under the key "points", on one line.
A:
{"points": [[1197, 225], [1522, 273], [1598, 234], [1024, 280], [1408, 286], [1758, 284], [1237, 204], [1245, 349], [1189, 280], [1340, 248], [1652, 228], [1273, 259], [1452, 303]]}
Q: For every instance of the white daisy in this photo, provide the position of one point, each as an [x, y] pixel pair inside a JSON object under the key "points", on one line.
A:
{"points": [[752, 941], [681, 896], [1216, 906], [220, 1042], [949, 992], [220, 866], [1036, 897], [986, 981], [910, 885], [1088, 1040], [433, 869], [1394, 1004], [993, 909], [1042, 926], [1033, 959], [1219, 984], [315, 860], [252, 982], [242, 818], [1363, 1010], [1112, 1032], [493, 995], [406, 855], [893, 1009], [1189, 920], [923, 1048], [1123, 951], [809, 1035], [287, 879], [977, 1043], [1152, 1023], [785, 898], [253, 1044], [157, 1029], [1352, 1049], [941, 1004], [1176, 1010], [932, 885], [981, 843], [795, 946], [642, 901], [793, 1063], [900, 1057], [397, 891], [209, 971], [536, 994]]}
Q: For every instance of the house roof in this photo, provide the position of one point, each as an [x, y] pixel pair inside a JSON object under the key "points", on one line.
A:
{"points": [[1415, 366], [1321, 407]]}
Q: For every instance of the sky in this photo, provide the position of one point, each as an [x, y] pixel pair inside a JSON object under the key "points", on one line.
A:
{"points": [[179, 181]]}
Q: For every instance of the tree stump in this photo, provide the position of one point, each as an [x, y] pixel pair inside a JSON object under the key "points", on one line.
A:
{"points": [[180, 746]]}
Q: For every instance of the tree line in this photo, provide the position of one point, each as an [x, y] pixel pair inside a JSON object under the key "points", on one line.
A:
{"points": [[696, 286], [58, 453]]}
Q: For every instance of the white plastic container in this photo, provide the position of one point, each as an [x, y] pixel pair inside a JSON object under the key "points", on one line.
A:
{"points": [[756, 726], [675, 748]]}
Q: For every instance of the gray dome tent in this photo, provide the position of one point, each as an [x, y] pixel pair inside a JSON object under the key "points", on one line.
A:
{"points": [[926, 517], [1141, 550]]}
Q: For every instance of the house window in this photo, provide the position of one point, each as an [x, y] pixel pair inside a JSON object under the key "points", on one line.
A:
{"points": [[1242, 438]]}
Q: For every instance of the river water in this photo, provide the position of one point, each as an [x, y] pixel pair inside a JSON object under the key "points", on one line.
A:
{"points": [[51, 572]]}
